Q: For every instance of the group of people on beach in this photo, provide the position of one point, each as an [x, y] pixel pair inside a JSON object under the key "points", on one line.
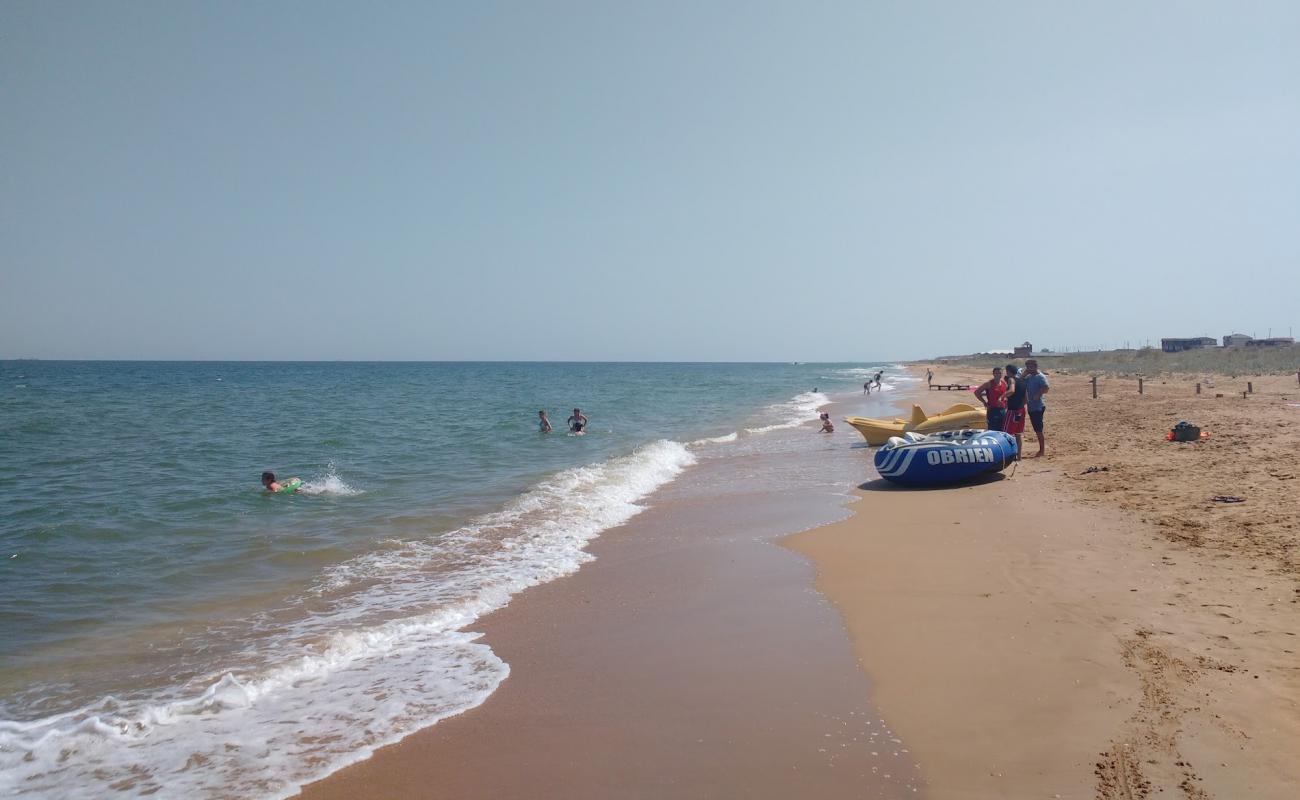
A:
{"points": [[1010, 396], [577, 422]]}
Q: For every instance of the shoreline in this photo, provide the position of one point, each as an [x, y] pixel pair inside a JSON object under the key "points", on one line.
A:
{"points": [[690, 658]]}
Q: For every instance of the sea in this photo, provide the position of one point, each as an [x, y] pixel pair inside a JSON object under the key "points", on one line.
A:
{"points": [[168, 629]]}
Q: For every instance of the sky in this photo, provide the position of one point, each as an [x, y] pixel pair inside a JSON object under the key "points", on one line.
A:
{"points": [[713, 180]]}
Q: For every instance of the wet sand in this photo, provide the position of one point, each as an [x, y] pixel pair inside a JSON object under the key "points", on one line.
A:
{"points": [[1114, 634], [691, 659]]}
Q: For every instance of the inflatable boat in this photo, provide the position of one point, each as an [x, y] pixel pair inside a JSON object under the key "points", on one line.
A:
{"points": [[942, 459], [952, 418]]}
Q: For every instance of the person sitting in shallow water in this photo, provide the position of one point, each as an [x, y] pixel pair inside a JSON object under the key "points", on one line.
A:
{"points": [[827, 427], [292, 485]]}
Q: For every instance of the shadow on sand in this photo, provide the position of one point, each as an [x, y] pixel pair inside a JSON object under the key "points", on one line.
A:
{"points": [[882, 485]]}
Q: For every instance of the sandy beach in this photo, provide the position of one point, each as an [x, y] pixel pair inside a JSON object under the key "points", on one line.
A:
{"points": [[1114, 634], [1048, 633]]}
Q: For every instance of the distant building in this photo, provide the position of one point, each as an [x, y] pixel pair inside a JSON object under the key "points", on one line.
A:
{"points": [[1236, 340], [1276, 341], [1023, 351], [1179, 345]]}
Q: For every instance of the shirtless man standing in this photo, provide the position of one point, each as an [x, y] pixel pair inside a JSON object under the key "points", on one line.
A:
{"points": [[993, 394]]}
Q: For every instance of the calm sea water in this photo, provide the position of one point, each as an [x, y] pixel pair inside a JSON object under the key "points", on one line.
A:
{"points": [[167, 628]]}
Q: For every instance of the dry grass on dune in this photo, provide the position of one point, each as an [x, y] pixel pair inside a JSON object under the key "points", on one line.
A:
{"points": [[1211, 361]]}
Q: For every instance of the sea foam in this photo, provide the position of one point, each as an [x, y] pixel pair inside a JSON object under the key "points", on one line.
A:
{"points": [[329, 483], [387, 655], [792, 413]]}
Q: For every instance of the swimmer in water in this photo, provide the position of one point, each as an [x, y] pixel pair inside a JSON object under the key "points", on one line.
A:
{"points": [[543, 423], [293, 485], [577, 422]]}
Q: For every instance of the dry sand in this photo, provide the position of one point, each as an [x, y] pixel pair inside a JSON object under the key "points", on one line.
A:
{"points": [[1114, 634]]}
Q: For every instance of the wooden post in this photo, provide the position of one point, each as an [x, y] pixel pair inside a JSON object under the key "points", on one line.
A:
{"points": [[1139, 386], [1198, 388], [1250, 386], [1094, 387], [1243, 395]]}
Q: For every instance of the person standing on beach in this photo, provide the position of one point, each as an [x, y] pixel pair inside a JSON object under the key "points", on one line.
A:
{"points": [[577, 423], [993, 394], [929, 377], [1035, 387], [1014, 421], [543, 423]]}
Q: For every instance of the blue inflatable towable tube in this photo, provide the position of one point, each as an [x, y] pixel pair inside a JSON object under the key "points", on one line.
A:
{"points": [[943, 459]]}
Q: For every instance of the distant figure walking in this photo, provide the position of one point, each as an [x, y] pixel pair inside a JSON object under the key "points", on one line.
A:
{"points": [[929, 377], [1035, 387], [543, 423], [577, 423], [878, 374], [1014, 422], [827, 427], [993, 394]]}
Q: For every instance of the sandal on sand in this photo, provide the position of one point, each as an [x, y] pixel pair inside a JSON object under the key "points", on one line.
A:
{"points": [[1227, 498]]}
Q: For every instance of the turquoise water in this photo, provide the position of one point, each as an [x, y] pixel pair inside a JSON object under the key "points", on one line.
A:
{"points": [[167, 627]]}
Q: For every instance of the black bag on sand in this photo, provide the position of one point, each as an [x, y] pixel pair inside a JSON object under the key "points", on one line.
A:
{"points": [[1186, 432]]}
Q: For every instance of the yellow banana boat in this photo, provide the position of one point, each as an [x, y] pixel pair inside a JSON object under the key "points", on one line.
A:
{"points": [[953, 418]]}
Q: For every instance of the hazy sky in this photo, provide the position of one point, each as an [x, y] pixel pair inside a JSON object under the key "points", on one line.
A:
{"points": [[619, 180]]}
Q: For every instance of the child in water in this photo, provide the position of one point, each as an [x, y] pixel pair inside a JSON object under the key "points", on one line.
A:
{"points": [[827, 427], [291, 486]]}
